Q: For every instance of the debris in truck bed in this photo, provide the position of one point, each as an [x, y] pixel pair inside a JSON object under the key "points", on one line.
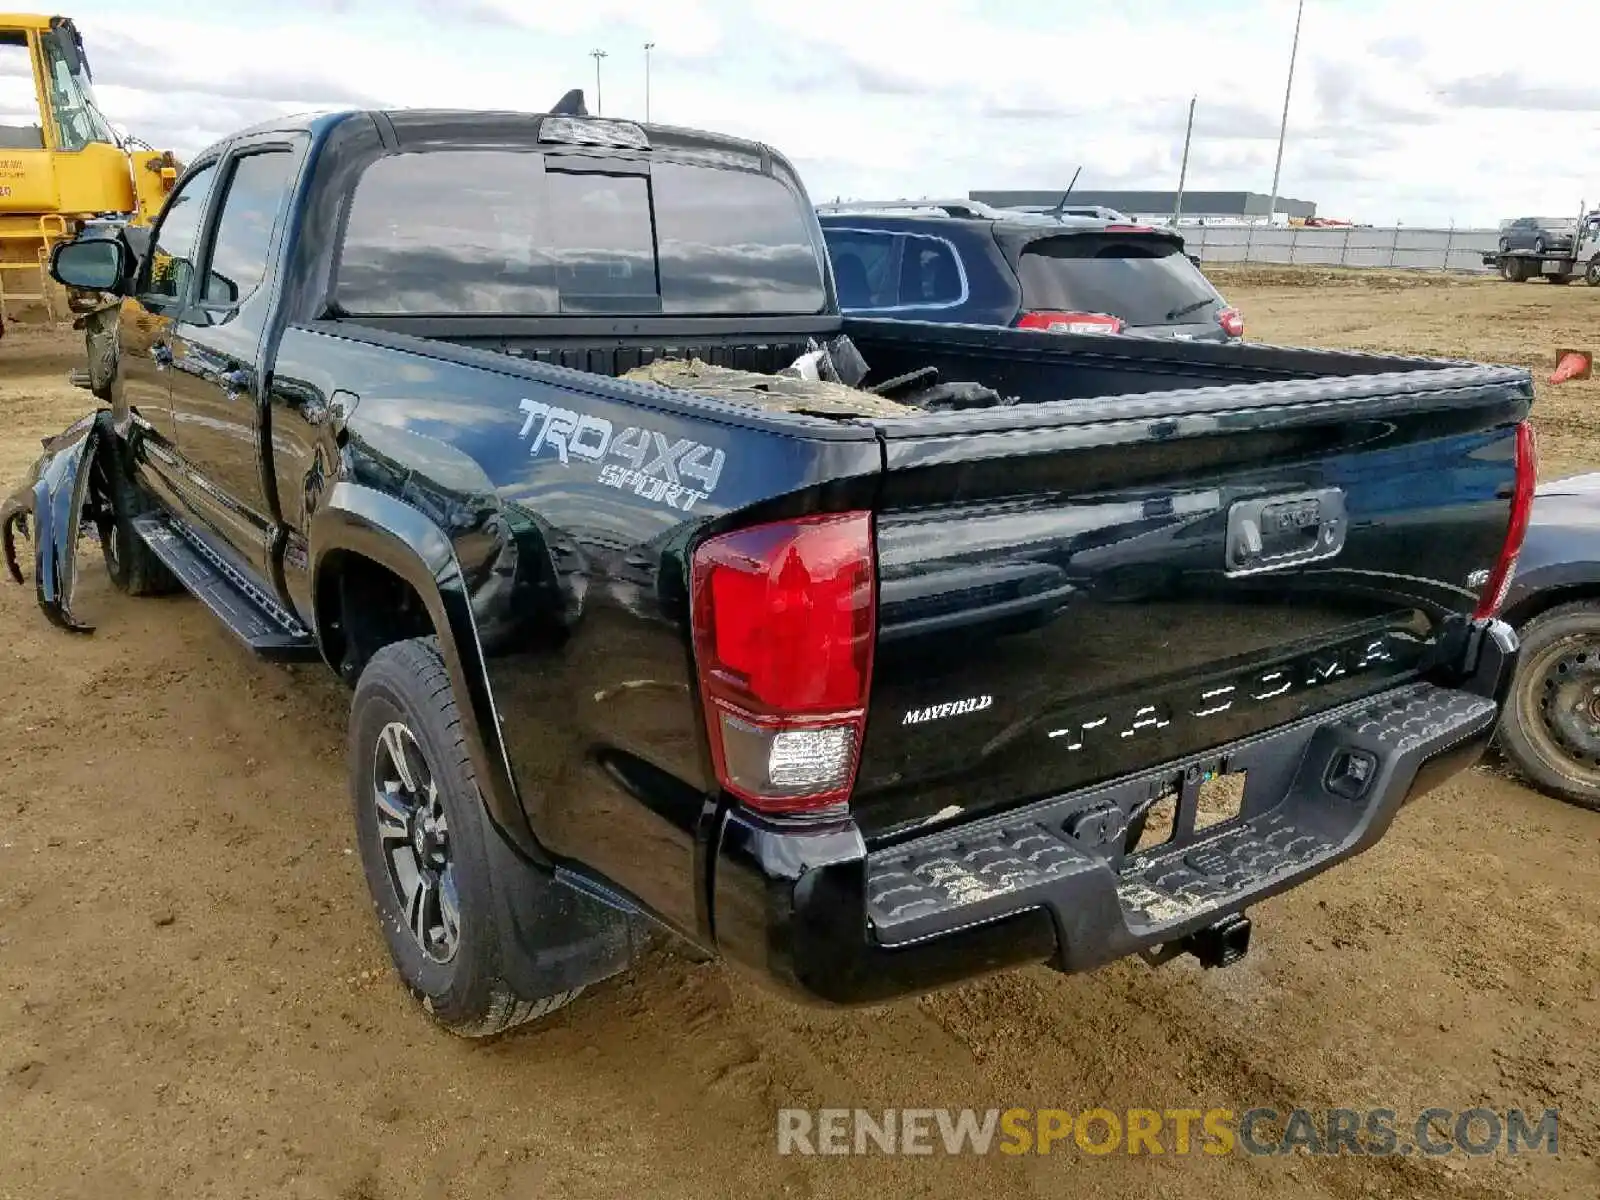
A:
{"points": [[781, 393]]}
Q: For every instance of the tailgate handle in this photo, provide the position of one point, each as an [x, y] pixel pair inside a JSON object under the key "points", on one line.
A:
{"points": [[1273, 532]]}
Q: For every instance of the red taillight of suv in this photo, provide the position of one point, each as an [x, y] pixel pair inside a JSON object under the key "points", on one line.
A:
{"points": [[1232, 322], [784, 618], [1505, 567], [1070, 322]]}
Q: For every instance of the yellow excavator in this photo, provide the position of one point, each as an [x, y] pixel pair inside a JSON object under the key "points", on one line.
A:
{"points": [[62, 165]]}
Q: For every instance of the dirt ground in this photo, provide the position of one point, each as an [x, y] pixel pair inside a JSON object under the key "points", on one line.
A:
{"points": [[195, 1001]]}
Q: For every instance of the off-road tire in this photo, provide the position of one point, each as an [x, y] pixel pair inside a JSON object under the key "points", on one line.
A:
{"points": [[131, 564], [407, 682], [1524, 736]]}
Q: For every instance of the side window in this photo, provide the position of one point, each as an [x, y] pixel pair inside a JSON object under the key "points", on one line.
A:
{"points": [[239, 253], [19, 119], [863, 267], [929, 274], [172, 249]]}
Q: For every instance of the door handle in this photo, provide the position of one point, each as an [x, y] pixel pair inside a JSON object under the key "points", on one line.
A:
{"points": [[161, 354], [233, 383]]}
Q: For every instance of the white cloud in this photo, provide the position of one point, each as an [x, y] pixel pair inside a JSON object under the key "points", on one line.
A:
{"points": [[1406, 111]]}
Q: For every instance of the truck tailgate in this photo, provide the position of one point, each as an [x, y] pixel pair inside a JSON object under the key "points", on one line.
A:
{"points": [[1073, 592]]}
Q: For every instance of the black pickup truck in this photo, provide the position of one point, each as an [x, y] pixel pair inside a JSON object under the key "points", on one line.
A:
{"points": [[869, 702]]}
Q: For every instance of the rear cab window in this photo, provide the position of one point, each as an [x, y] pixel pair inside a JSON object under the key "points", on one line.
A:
{"points": [[523, 233], [1143, 280]]}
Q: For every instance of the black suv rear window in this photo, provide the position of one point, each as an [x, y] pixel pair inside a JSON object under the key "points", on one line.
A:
{"points": [[512, 233], [1145, 281]]}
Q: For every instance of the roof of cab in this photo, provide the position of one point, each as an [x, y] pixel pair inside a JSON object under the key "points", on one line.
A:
{"points": [[421, 127]]}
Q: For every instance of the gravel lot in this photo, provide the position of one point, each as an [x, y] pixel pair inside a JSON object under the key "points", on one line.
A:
{"points": [[194, 1000]]}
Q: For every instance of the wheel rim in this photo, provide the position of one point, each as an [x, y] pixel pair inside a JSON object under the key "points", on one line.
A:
{"points": [[415, 839], [1561, 707]]}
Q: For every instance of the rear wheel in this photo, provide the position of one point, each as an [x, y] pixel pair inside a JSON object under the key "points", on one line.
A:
{"points": [[1551, 726], [421, 830]]}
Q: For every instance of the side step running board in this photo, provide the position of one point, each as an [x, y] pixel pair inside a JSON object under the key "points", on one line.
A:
{"points": [[254, 617]]}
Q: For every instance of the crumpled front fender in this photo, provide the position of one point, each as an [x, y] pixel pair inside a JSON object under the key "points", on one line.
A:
{"points": [[53, 498]]}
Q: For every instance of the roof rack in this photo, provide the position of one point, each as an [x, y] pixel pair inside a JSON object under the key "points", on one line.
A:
{"points": [[950, 208], [967, 209]]}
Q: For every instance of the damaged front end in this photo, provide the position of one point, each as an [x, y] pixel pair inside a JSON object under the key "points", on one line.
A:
{"points": [[57, 499]]}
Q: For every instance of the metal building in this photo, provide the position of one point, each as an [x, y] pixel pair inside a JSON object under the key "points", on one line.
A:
{"points": [[1232, 205]]}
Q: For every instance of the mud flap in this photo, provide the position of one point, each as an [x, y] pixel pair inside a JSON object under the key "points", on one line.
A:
{"points": [[557, 936], [53, 498]]}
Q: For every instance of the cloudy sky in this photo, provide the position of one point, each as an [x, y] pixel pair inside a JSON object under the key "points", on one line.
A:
{"points": [[1412, 110]]}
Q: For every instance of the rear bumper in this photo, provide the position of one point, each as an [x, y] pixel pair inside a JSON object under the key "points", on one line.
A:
{"points": [[817, 913]]}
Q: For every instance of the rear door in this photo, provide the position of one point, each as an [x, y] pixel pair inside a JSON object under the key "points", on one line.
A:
{"points": [[1062, 604], [217, 393], [1145, 280]]}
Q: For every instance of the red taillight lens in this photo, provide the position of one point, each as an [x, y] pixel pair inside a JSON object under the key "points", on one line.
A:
{"points": [[784, 617], [1505, 567], [1130, 229], [1070, 322], [1232, 322]]}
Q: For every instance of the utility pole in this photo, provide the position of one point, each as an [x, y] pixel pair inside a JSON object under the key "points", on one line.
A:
{"points": [[648, 46], [1183, 171], [599, 102], [1294, 50]]}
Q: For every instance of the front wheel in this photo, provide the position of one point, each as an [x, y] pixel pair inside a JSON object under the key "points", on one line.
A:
{"points": [[1591, 273], [132, 565], [421, 830], [1551, 726]]}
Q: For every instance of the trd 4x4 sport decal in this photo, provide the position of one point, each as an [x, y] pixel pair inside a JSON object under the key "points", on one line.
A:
{"points": [[676, 473]]}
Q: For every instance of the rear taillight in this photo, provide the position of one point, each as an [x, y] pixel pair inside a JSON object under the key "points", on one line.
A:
{"points": [[784, 616], [1070, 322], [1505, 567], [1232, 322]]}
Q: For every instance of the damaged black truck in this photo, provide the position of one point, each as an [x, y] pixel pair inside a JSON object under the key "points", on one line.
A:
{"points": [[546, 435]]}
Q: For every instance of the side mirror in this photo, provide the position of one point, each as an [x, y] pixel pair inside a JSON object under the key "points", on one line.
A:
{"points": [[96, 265], [221, 290]]}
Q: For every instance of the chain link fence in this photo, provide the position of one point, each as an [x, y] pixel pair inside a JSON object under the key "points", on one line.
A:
{"points": [[1400, 247]]}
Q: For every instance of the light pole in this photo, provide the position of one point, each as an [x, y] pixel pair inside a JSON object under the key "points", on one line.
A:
{"points": [[599, 102], [1183, 170], [1272, 205], [648, 46]]}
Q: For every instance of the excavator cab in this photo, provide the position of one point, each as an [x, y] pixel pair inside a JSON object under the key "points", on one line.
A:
{"points": [[61, 162]]}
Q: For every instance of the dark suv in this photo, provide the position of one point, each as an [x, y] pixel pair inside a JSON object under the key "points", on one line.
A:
{"points": [[1074, 276]]}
